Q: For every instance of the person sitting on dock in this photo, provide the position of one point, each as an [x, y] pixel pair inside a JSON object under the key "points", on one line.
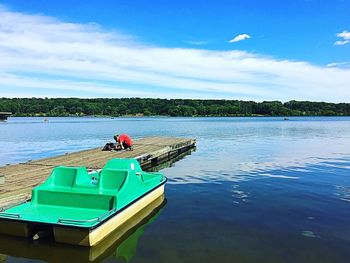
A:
{"points": [[124, 142]]}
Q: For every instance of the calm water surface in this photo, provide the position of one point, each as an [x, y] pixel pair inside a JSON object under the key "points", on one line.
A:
{"points": [[255, 189]]}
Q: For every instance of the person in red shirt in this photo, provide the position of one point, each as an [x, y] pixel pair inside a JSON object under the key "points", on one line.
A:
{"points": [[123, 142]]}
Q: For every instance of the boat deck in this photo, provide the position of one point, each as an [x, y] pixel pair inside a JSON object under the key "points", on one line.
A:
{"points": [[18, 179]]}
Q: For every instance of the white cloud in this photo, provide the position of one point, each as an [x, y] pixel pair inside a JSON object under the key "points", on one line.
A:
{"points": [[41, 55], [345, 35], [239, 38], [340, 43], [339, 64]]}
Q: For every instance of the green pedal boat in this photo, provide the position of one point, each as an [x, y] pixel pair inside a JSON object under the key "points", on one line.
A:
{"points": [[83, 208]]}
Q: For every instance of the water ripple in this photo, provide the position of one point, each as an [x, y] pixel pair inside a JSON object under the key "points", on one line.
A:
{"points": [[343, 192]]}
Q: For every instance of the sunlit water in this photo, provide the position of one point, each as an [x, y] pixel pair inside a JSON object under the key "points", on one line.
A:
{"points": [[255, 189]]}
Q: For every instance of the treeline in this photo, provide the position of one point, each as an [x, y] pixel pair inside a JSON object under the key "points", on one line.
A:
{"points": [[167, 107]]}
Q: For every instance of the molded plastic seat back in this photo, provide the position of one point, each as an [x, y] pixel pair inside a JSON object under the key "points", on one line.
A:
{"points": [[82, 178], [63, 176], [111, 179], [123, 164]]}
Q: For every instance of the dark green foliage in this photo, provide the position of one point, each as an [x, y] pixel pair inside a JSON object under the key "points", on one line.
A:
{"points": [[168, 107]]}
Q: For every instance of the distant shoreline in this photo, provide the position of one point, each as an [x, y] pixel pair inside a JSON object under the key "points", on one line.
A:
{"points": [[144, 107], [168, 116], [286, 118]]}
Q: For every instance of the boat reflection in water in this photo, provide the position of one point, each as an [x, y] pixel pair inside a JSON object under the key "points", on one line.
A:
{"points": [[120, 244]]}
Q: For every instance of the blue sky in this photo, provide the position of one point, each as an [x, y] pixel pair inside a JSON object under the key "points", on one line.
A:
{"points": [[177, 49]]}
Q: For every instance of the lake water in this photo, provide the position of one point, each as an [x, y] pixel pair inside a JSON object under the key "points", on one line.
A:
{"points": [[254, 190]]}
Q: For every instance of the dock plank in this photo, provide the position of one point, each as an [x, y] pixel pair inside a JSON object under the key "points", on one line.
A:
{"points": [[21, 178]]}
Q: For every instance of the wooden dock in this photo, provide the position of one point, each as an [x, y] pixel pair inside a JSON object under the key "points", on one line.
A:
{"points": [[19, 179]]}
